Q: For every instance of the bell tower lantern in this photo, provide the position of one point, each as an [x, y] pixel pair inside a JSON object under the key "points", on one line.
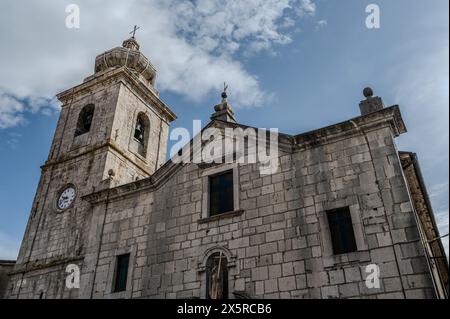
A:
{"points": [[126, 117]]}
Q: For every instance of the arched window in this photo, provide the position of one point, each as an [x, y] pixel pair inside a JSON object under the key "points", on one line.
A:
{"points": [[85, 120], [217, 276], [141, 131]]}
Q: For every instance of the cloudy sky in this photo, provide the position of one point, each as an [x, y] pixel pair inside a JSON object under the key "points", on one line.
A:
{"points": [[291, 64]]}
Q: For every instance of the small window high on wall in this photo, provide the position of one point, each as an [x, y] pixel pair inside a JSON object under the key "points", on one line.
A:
{"points": [[221, 193], [341, 229], [121, 273], [85, 120]]}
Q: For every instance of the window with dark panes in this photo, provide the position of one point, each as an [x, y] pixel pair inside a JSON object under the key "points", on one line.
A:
{"points": [[221, 193], [120, 280], [341, 229]]}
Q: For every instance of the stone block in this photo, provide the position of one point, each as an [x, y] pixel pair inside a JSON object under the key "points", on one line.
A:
{"points": [[381, 255], [287, 283], [348, 290], [330, 292], [260, 273], [274, 235]]}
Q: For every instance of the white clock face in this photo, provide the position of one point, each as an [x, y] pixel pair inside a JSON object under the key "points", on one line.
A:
{"points": [[66, 198]]}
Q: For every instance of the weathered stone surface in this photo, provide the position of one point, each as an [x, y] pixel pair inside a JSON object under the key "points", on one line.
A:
{"points": [[277, 243]]}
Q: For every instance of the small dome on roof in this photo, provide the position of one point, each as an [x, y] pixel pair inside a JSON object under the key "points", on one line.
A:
{"points": [[128, 55]]}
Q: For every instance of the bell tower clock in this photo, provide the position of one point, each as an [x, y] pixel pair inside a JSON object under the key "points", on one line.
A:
{"points": [[113, 129]]}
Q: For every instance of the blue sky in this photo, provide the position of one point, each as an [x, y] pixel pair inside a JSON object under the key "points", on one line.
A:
{"points": [[295, 65]]}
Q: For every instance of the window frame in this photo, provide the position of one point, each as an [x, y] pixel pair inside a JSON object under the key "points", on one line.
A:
{"points": [[221, 193], [362, 254], [206, 213], [343, 241], [123, 288], [135, 145]]}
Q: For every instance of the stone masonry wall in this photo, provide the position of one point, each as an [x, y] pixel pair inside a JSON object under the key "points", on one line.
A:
{"points": [[277, 244], [53, 239], [129, 106], [280, 245]]}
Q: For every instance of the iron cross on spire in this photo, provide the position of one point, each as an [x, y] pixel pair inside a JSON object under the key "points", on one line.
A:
{"points": [[224, 93], [134, 31]]}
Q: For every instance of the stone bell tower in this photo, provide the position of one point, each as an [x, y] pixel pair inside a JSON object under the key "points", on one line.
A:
{"points": [[112, 130], [129, 116]]}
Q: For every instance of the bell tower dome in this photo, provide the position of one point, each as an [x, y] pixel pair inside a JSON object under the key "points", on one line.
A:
{"points": [[129, 56]]}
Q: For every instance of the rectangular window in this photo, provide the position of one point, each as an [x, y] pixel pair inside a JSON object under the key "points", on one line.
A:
{"points": [[341, 228], [221, 193], [120, 279]]}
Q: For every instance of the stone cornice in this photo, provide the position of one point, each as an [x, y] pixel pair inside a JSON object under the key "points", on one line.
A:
{"points": [[107, 144], [388, 117], [285, 141], [155, 181], [121, 74], [43, 264]]}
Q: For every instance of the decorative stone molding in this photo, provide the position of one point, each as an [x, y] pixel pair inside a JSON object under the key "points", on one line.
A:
{"points": [[231, 259]]}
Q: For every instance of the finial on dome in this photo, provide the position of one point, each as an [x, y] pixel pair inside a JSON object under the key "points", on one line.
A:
{"points": [[224, 93], [368, 92], [371, 103], [223, 111], [131, 43]]}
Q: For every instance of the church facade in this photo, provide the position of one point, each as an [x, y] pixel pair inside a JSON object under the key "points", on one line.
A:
{"points": [[343, 215]]}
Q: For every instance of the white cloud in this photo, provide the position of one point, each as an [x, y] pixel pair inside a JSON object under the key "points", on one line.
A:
{"points": [[9, 248], [195, 45], [322, 24], [306, 7], [13, 109], [254, 25], [10, 111]]}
